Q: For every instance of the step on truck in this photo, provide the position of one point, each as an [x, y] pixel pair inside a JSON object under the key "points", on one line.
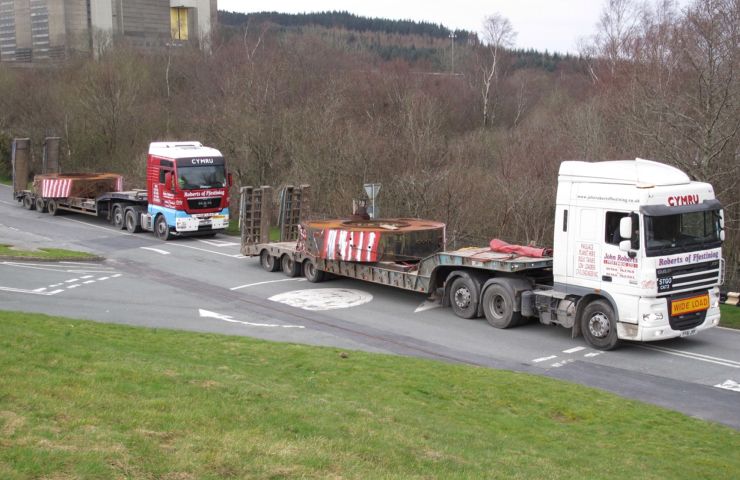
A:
{"points": [[187, 190], [636, 256]]}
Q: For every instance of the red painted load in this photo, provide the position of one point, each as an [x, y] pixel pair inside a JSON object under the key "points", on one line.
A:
{"points": [[500, 246]]}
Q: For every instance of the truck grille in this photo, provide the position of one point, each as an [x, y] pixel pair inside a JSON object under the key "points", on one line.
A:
{"points": [[204, 203], [688, 320], [688, 278]]}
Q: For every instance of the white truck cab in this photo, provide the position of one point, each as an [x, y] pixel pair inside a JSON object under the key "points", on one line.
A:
{"points": [[637, 252]]}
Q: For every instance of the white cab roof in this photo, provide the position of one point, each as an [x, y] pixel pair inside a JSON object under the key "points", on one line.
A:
{"points": [[630, 172], [176, 150]]}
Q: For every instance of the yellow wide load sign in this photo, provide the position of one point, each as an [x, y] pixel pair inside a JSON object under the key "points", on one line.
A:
{"points": [[689, 305]]}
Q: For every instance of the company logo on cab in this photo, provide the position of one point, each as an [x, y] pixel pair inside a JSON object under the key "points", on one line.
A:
{"points": [[678, 200]]}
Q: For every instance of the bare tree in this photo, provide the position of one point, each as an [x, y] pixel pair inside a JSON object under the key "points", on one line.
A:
{"points": [[617, 28], [498, 34]]}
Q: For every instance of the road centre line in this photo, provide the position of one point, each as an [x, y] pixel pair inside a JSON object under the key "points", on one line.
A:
{"points": [[32, 292], [574, 350], [163, 252], [544, 359], [206, 250], [269, 281], [694, 356]]}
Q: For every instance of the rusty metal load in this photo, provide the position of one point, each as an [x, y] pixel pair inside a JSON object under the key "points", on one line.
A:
{"points": [[370, 241], [83, 185]]}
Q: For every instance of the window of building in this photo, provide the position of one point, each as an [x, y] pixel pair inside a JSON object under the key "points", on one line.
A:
{"points": [[179, 23]]}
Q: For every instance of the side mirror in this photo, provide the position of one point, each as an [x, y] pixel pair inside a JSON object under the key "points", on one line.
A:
{"points": [[230, 179], [168, 181], [721, 215], [625, 245], [625, 228]]}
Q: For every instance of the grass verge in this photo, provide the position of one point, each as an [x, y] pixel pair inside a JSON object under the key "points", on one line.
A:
{"points": [[86, 400], [10, 252], [729, 316]]}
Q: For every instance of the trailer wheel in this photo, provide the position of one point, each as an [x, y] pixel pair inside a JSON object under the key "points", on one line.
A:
{"points": [[599, 325], [52, 207], [132, 220], [464, 297], [161, 229], [290, 267], [498, 306], [28, 203], [117, 218], [313, 274], [269, 262], [40, 204]]}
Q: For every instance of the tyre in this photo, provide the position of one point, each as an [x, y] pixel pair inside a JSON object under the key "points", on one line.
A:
{"points": [[116, 217], [28, 203], [52, 207], [132, 219], [269, 262], [464, 297], [313, 274], [498, 307], [599, 325], [290, 267], [161, 229], [40, 204]]}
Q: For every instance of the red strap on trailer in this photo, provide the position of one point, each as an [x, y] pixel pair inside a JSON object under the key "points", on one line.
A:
{"points": [[500, 246]]}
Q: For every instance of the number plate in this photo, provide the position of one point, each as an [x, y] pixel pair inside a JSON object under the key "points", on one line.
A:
{"points": [[689, 305], [688, 333]]}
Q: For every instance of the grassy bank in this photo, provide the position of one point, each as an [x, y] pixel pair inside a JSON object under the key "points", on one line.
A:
{"points": [[730, 316], [87, 400], [10, 252]]}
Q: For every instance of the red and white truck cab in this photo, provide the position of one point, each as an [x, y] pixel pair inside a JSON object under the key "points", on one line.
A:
{"points": [[645, 241], [187, 188]]}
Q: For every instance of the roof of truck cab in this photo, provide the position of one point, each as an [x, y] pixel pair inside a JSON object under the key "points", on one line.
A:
{"points": [[176, 150], [637, 172]]}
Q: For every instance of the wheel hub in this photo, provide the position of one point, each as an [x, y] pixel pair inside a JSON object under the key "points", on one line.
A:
{"points": [[598, 325], [462, 297]]}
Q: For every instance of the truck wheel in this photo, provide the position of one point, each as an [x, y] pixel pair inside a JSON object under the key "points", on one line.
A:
{"points": [[498, 306], [40, 204], [290, 267], [269, 262], [28, 202], [599, 325], [464, 297], [52, 207], [116, 217], [161, 229], [132, 221], [312, 274]]}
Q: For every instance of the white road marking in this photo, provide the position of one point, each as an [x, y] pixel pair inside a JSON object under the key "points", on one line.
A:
{"points": [[40, 289], [593, 354], [55, 285], [544, 359], [32, 292], [219, 243], [230, 319], [694, 356], [57, 267], [72, 280], [86, 277], [90, 225], [206, 250], [574, 350], [320, 299], [103, 278], [73, 286], [729, 385], [163, 252], [428, 305], [88, 281], [269, 281], [560, 364]]}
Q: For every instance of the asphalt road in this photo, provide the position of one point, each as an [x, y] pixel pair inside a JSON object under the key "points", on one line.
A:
{"points": [[205, 285]]}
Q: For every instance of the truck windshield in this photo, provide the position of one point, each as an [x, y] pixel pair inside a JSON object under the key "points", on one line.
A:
{"points": [[670, 234], [204, 176]]}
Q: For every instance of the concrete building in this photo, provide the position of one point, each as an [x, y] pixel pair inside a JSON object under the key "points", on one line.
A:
{"points": [[39, 30]]}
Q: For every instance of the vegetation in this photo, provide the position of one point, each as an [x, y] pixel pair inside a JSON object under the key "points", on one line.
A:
{"points": [[476, 144], [730, 316], [87, 400], [8, 251]]}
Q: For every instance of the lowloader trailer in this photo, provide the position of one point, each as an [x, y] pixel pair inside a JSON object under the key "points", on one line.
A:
{"points": [[637, 256]]}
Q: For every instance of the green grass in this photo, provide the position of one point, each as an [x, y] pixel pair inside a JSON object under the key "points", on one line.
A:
{"points": [[86, 400], [729, 316], [8, 251]]}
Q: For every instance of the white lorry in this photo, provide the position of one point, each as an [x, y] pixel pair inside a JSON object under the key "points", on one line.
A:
{"points": [[637, 256]]}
